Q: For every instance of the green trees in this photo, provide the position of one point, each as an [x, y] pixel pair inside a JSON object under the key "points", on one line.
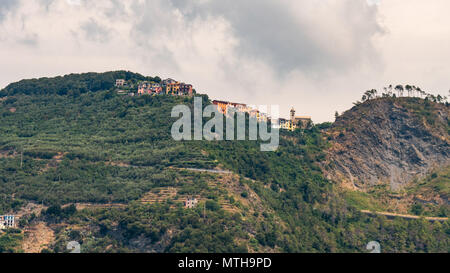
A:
{"points": [[56, 214], [73, 85], [417, 209], [369, 94], [84, 144], [399, 88], [412, 91], [409, 89], [10, 241], [212, 205]]}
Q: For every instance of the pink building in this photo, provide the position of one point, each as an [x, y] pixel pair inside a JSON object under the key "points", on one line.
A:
{"points": [[186, 89], [146, 88]]}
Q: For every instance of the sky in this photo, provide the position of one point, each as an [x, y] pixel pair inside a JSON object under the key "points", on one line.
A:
{"points": [[318, 56]]}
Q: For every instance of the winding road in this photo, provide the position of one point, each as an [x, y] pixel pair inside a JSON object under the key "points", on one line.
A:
{"points": [[405, 216]]}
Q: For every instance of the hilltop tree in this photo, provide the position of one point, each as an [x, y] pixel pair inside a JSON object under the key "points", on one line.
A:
{"points": [[431, 97], [399, 88], [369, 94], [409, 89], [388, 91], [416, 91], [421, 93]]}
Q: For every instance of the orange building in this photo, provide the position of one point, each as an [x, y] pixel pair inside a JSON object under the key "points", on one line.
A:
{"points": [[224, 105], [175, 88]]}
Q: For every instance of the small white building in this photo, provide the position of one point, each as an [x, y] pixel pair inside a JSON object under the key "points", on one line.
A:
{"points": [[7, 221], [191, 203], [120, 82]]}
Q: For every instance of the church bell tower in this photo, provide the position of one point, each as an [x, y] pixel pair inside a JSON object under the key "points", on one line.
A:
{"points": [[292, 114]]}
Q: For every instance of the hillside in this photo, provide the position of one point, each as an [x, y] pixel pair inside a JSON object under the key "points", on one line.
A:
{"points": [[101, 168], [392, 155], [389, 141]]}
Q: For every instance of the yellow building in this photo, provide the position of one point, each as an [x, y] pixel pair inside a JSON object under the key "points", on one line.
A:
{"points": [[287, 124], [173, 88], [300, 121], [303, 122]]}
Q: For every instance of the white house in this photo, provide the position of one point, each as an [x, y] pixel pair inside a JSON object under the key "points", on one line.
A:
{"points": [[7, 221], [120, 82], [191, 203]]}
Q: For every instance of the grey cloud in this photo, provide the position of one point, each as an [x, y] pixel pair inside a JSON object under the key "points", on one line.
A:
{"points": [[116, 10], [46, 3], [287, 39], [95, 32], [153, 19], [6, 6], [29, 40]]}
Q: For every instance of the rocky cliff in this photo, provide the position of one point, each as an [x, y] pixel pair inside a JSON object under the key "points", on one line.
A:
{"points": [[388, 141]]}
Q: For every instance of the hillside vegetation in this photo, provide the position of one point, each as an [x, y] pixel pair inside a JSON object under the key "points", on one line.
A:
{"points": [[74, 153]]}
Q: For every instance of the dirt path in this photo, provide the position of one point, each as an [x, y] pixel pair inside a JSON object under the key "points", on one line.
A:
{"points": [[37, 237], [81, 206], [406, 216], [206, 171]]}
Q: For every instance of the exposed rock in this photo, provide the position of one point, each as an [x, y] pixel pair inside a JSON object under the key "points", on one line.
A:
{"points": [[388, 141]]}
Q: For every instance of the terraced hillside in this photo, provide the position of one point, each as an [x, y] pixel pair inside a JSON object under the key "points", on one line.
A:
{"points": [[106, 173]]}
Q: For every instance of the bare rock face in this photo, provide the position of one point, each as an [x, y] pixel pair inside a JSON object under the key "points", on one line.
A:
{"points": [[389, 141]]}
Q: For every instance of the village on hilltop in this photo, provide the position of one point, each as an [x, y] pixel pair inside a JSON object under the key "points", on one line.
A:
{"points": [[292, 124], [165, 87], [175, 88]]}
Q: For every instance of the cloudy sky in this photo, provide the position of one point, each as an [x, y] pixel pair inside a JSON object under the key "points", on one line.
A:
{"points": [[316, 55]]}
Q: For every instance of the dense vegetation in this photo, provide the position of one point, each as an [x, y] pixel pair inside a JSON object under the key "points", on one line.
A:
{"points": [[73, 84], [74, 140], [10, 241]]}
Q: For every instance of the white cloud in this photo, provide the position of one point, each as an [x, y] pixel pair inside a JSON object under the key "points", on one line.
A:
{"points": [[318, 56], [74, 2], [373, 2]]}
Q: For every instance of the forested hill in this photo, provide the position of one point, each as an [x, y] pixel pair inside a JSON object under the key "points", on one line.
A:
{"points": [[101, 168], [73, 84]]}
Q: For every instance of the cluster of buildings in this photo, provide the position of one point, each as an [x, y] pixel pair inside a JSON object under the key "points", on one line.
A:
{"points": [[167, 87], [7, 221], [175, 88], [291, 124], [295, 122], [225, 106]]}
